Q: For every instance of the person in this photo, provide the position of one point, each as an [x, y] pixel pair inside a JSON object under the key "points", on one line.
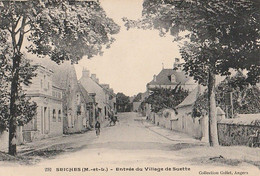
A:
{"points": [[97, 127]]}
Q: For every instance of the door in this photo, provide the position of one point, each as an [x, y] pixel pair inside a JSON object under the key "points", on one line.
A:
{"points": [[46, 120]]}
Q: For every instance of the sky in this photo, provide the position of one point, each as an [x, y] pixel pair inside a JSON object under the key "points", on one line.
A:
{"points": [[135, 56]]}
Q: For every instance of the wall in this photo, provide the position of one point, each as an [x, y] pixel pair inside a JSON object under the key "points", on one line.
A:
{"points": [[186, 124], [182, 122], [4, 141], [237, 131]]}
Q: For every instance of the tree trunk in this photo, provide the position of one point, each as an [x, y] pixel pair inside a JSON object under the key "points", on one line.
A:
{"points": [[213, 131], [13, 106]]}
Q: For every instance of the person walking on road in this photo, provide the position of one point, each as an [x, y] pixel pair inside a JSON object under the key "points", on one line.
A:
{"points": [[97, 127]]}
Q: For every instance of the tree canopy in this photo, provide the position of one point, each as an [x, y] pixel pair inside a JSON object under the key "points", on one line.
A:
{"points": [[162, 98], [221, 34], [60, 29], [123, 102]]}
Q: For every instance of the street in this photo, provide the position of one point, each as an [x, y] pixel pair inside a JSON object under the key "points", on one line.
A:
{"points": [[135, 144]]}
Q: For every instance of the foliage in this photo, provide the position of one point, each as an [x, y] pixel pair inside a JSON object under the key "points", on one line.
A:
{"points": [[221, 34], [161, 98], [26, 109], [138, 97], [246, 98], [123, 102], [60, 29]]}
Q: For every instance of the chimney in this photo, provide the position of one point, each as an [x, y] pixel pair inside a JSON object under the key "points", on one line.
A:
{"points": [[85, 73], [154, 77], [176, 63], [106, 86], [94, 77]]}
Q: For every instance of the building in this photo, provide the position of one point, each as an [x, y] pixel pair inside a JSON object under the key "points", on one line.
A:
{"points": [[170, 78], [110, 100], [75, 102], [89, 107], [48, 96], [91, 84]]}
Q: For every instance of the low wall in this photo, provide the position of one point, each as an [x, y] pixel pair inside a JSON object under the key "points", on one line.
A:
{"points": [[4, 139], [237, 131]]}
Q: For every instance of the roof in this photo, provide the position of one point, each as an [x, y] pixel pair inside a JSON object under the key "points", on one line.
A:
{"points": [[192, 97], [61, 72], [85, 94], [220, 111], [163, 77]]}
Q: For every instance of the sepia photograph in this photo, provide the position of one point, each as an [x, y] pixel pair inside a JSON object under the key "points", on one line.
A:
{"points": [[129, 87]]}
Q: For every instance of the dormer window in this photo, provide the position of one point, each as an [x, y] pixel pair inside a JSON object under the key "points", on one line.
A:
{"points": [[173, 78]]}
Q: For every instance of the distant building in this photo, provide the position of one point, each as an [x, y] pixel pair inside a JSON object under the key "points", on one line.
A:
{"points": [[110, 99], [170, 78]]}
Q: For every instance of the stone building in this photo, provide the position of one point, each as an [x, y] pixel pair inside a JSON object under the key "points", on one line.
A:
{"points": [[48, 96], [170, 78], [91, 84], [75, 110]]}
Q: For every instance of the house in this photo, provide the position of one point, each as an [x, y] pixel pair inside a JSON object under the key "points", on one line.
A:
{"points": [[75, 102], [110, 99], [49, 119], [88, 107], [91, 84], [170, 78]]}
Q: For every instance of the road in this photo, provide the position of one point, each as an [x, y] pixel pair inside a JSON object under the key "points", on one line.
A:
{"points": [[130, 147]]}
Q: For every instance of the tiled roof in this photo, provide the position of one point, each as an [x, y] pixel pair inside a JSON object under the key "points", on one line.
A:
{"points": [[163, 77]]}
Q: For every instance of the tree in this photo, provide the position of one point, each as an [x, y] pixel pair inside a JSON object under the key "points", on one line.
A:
{"points": [[138, 97], [61, 30], [122, 102], [220, 36], [245, 98], [161, 98], [26, 109]]}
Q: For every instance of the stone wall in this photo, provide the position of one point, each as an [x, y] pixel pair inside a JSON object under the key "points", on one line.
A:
{"points": [[232, 134], [237, 131]]}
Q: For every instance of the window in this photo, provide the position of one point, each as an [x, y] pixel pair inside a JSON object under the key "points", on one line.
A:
{"points": [[59, 116], [54, 115], [48, 85], [78, 99], [173, 78], [41, 83]]}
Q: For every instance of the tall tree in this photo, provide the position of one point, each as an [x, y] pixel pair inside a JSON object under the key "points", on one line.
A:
{"points": [[218, 36], [60, 29], [122, 102]]}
